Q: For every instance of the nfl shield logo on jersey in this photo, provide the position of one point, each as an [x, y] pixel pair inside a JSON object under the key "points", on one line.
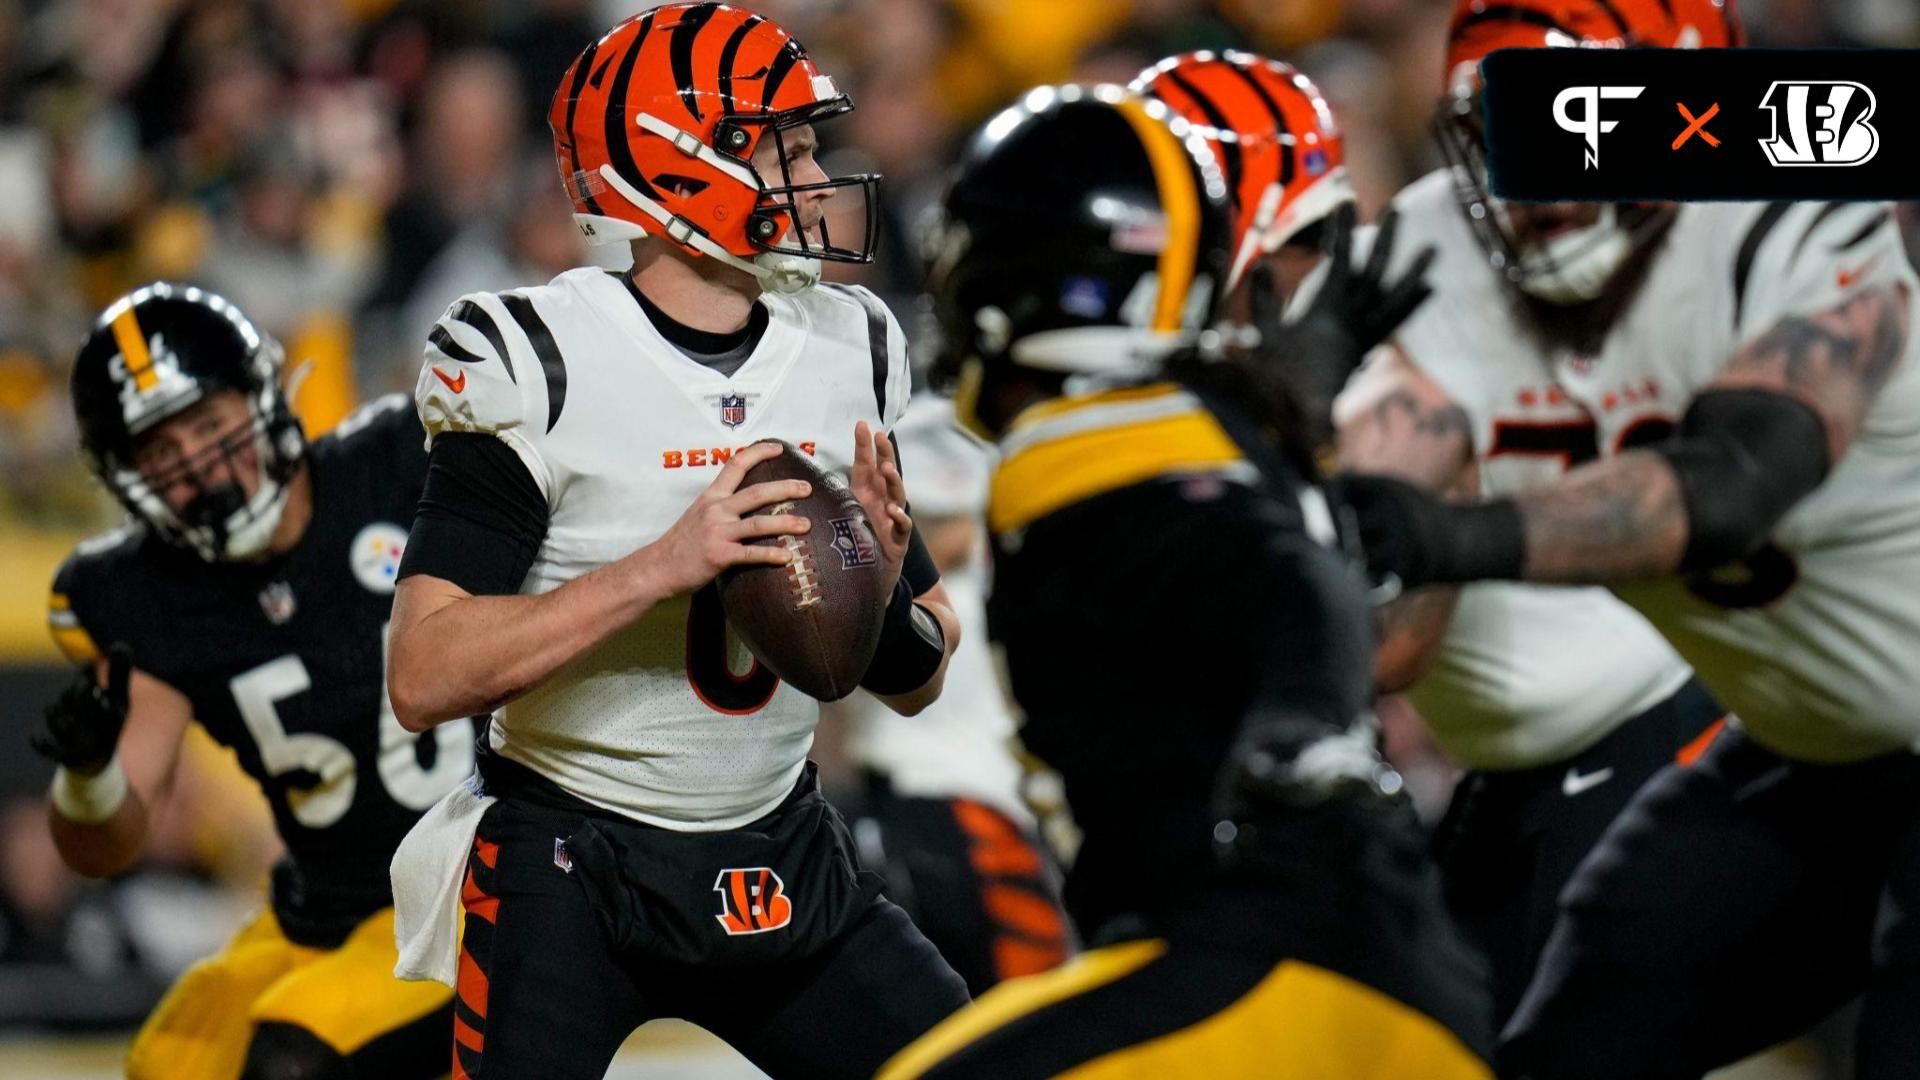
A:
{"points": [[853, 545], [276, 602], [733, 409]]}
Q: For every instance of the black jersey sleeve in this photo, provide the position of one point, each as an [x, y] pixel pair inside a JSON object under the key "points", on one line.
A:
{"points": [[102, 595], [405, 441], [1305, 608], [481, 518], [73, 632]]}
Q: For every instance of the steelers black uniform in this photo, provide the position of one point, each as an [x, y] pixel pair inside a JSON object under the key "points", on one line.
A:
{"points": [[284, 662], [1150, 595]]}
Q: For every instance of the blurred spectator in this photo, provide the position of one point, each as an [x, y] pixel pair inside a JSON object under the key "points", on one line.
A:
{"points": [[465, 145], [540, 44], [532, 245]]}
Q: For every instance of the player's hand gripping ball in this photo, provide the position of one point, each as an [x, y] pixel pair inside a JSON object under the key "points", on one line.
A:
{"points": [[815, 621]]}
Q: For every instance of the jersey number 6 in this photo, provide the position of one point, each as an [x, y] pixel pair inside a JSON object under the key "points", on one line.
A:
{"points": [[708, 671]]}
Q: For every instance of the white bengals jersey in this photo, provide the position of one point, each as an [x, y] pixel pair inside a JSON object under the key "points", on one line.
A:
{"points": [[670, 721], [1528, 674], [963, 744], [1811, 642]]}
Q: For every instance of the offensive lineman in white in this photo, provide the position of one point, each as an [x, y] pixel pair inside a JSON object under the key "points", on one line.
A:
{"points": [[1560, 702], [1752, 384], [658, 846]]}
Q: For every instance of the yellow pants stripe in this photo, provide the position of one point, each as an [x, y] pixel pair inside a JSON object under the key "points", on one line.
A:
{"points": [[1296, 1020], [1300, 1021], [1016, 998], [346, 996]]}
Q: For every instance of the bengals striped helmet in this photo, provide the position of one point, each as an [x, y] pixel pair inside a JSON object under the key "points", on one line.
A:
{"points": [[1274, 136], [656, 126], [1578, 265]]}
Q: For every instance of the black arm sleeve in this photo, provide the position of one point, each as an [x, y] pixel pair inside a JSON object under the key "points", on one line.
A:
{"points": [[1744, 458], [919, 571], [481, 517]]}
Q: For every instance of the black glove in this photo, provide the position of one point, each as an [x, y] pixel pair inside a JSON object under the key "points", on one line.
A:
{"points": [[83, 724], [1418, 539], [1350, 315]]}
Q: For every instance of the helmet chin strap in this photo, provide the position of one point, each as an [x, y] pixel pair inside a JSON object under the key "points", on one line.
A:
{"points": [[1575, 267], [258, 519], [776, 272]]}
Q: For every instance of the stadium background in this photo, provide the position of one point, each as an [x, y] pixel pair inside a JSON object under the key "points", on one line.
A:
{"points": [[343, 169]]}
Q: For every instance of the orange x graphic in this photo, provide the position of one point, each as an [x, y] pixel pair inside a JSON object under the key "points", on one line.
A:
{"points": [[1697, 125]]}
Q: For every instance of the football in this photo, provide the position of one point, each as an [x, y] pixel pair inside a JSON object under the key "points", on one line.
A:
{"points": [[816, 621]]}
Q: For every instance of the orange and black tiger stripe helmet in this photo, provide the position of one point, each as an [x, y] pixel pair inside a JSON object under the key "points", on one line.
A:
{"points": [[1481, 26], [1275, 138], [655, 125], [1582, 264]]}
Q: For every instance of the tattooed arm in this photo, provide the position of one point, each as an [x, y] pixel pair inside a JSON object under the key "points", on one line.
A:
{"points": [[1651, 512], [1395, 420]]}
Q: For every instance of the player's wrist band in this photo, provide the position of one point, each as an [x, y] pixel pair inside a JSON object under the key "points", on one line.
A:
{"points": [[1485, 542], [1743, 459], [911, 646], [89, 799]]}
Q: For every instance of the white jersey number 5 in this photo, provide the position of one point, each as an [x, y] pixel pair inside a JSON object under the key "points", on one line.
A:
{"points": [[258, 693]]}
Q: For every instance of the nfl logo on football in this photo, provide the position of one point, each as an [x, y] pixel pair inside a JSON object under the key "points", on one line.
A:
{"points": [[854, 547], [733, 410]]}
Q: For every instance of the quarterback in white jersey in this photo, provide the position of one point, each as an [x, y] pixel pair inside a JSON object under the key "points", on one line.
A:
{"points": [[621, 431], [1736, 389], [655, 832]]}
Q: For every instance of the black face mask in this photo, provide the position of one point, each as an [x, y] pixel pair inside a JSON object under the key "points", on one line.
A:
{"points": [[212, 508]]}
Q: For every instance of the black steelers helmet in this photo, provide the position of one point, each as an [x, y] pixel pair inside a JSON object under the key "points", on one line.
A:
{"points": [[1086, 233], [153, 354]]}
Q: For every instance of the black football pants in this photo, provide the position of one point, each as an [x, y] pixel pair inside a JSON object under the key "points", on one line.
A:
{"points": [[1733, 905], [1512, 839], [541, 994]]}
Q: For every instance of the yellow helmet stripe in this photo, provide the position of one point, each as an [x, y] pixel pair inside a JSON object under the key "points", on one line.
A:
{"points": [[133, 346], [1180, 199]]}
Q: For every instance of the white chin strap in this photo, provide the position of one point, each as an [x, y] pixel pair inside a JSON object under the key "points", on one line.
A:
{"points": [[1576, 266], [777, 272]]}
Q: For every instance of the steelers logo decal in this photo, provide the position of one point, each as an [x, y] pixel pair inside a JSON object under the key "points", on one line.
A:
{"points": [[375, 555]]}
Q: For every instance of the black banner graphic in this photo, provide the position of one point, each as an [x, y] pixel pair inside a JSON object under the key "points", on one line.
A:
{"points": [[1594, 125]]}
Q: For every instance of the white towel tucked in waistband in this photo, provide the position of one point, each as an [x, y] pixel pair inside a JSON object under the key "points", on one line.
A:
{"points": [[428, 870]]}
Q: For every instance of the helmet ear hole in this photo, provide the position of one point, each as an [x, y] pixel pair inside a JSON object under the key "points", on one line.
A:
{"points": [[684, 186]]}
